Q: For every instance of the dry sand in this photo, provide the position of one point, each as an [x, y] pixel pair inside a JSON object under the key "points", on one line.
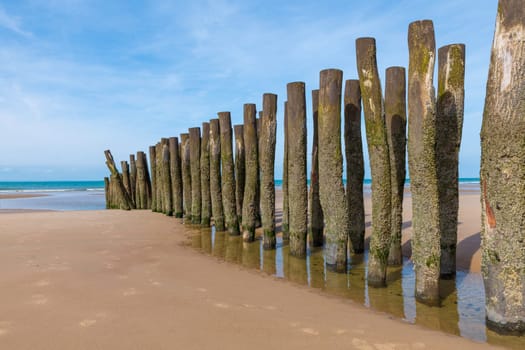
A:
{"points": [[125, 280], [20, 195]]}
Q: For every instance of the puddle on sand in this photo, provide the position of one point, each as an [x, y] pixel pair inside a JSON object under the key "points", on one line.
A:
{"points": [[462, 310]]}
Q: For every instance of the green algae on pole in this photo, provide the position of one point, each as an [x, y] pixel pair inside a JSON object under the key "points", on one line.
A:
{"points": [[228, 174], [355, 169], [205, 175], [133, 177], [217, 210], [240, 169], [331, 190], [285, 221], [426, 246], [379, 160], [121, 199], [267, 165], [249, 203], [153, 172], [396, 121], [186, 176], [449, 124], [176, 177], [315, 217], [502, 174], [296, 151], [195, 168], [166, 179]]}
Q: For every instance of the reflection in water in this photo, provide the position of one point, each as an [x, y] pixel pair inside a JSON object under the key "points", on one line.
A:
{"points": [[462, 310]]}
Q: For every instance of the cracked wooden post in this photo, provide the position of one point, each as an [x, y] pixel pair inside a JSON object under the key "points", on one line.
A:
{"points": [[195, 168], [142, 196], [449, 124], [331, 190], [186, 176], [176, 177], [215, 176], [107, 194], [249, 203], [153, 173], [125, 177], [396, 121], [133, 177], [355, 168], [379, 160], [228, 175], [121, 199], [285, 221], [315, 217], [296, 150], [503, 174], [167, 202], [258, 222], [267, 164], [426, 248], [205, 175], [240, 169]]}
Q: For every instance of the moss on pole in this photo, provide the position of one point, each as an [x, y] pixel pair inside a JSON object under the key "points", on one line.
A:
{"points": [[249, 203], [195, 165], [205, 175], [215, 176], [167, 205], [240, 169], [315, 211]]}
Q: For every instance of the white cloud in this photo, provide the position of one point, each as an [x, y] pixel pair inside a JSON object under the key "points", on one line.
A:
{"points": [[13, 24]]}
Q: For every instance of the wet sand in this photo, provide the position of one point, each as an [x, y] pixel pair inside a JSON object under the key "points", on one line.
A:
{"points": [[20, 195], [127, 280]]}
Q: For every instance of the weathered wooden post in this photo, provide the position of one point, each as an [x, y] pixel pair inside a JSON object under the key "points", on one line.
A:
{"points": [[195, 155], [133, 176], [142, 197], [396, 122], [331, 190], [160, 183], [285, 221], [228, 174], [147, 179], [106, 193], [503, 174], [258, 124], [249, 203], [426, 249], [355, 168], [153, 172], [176, 177], [379, 160], [215, 176], [205, 175], [167, 204], [186, 176], [315, 217], [267, 164], [121, 196], [449, 124], [240, 168], [125, 177], [297, 186]]}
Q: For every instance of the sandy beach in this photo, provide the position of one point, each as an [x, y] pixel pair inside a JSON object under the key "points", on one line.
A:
{"points": [[127, 280]]}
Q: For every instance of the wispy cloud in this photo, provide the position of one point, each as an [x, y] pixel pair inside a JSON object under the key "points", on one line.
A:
{"points": [[13, 24]]}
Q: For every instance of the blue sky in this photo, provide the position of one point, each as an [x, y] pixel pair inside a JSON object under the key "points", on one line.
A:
{"points": [[81, 76]]}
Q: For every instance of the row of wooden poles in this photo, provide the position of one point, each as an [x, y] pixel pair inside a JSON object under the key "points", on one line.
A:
{"points": [[197, 176]]}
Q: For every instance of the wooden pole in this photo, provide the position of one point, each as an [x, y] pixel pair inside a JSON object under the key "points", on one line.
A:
{"points": [[331, 190], [106, 193], [160, 183], [228, 174], [285, 223], [125, 177], [133, 177], [122, 199], [503, 174], [167, 203], [258, 222], [449, 124], [141, 197], [240, 168], [379, 160], [195, 155], [396, 124], [205, 175], [153, 172], [426, 249], [355, 168], [316, 211], [215, 176], [267, 164], [176, 177], [186, 176], [296, 150], [250, 204], [148, 181]]}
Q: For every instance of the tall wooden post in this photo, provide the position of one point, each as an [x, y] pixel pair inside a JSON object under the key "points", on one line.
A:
{"points": [[125, 177], [167, 205], [160, 183], [143, 195], [503, 174], [106, 193], [285, 222], [153, 172], [426, 249], [355, 168], [267, 164], [258, 222], [195, 155], [379, 160], [215, 176], [147, 179], [249, 203], [133, 177], [396, 123], [449, 124], [331, 190], [228, 174], [121, 196], [186, 176], [240, 169], [176, 177], [205, 175], [315, 217], [296, 150]]}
